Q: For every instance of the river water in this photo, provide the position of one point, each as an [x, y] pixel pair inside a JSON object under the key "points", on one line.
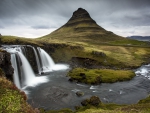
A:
{"points": [[60, 93]]}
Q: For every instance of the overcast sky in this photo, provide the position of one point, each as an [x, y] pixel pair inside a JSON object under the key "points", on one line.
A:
{"points": [[35, 18]]}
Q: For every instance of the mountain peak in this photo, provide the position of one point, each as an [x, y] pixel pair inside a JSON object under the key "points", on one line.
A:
{"points": [[80, 13], [82, 27]]}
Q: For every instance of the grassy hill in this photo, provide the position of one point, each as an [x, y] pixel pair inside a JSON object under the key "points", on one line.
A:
{"points": [[82, 36], [81, 28], [82, 41]]}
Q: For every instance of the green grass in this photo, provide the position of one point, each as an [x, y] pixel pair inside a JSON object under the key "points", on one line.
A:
{"points": [[12, 100], [18, 40], [96, 76]]}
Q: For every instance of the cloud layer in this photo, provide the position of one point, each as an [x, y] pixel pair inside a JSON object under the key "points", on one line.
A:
{"points": [[40, 17]]}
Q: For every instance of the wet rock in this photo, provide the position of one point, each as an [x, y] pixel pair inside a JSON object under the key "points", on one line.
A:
{"points": [[98, 80], [85, 102], [79, 93], [71, 79], [83, 75], [94, 100], [5, 64]]}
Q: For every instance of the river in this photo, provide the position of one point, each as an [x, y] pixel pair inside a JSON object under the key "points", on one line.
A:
{"points": [[60, 93]]}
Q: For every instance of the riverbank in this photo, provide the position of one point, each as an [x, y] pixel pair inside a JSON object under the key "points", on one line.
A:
{"points": [[97, 76]]}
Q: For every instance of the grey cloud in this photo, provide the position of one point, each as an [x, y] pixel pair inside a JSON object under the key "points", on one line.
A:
{"points": [[55, 13], [1, 27], [40, 27]]}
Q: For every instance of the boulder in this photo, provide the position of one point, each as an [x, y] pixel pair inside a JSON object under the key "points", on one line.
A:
{"points": [[85, 102], [94, 101], [5, 64], [79, 93]]}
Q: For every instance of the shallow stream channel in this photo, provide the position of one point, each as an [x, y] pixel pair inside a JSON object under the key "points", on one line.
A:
{"points": [[59, 93]]}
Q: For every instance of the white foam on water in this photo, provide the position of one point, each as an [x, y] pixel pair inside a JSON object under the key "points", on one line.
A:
{"points": [[57, 67]]}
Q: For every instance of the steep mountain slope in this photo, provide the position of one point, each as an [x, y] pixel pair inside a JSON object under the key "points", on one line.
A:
{"points": [[82, 28]]}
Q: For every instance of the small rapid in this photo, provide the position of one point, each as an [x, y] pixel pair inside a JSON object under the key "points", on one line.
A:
{"points": [[58, 93], [24, 75], [50, 88]]}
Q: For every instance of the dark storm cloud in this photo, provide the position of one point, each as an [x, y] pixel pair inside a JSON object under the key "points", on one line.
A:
{"points": [[45, 14]]}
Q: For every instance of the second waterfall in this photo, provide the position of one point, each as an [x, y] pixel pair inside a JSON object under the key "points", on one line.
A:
{"points": [[23, 72]]}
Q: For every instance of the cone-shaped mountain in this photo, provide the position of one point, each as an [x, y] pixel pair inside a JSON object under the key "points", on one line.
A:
{"points": [[81, 27]]}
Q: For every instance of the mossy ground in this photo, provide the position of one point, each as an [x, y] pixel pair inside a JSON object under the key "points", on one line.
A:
{"points": [[12, 100], [96, 76], [108, 108], [120, 54]]}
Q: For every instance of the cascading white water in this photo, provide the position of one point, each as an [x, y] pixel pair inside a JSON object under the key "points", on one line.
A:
{"points": [[28, 77], [144, 71], [16, 74], [23, 73], [37, 60], [47, 62], [26, 69]]}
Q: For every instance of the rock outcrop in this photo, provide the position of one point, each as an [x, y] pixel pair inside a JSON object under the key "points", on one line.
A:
{"points": [[5, 64], [94, 101]]}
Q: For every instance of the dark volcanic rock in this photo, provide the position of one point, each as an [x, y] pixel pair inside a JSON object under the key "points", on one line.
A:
{"points": [[81, 16], [5, 64], [83, 62], [94, 100], [85, 102], [80, 13], [79, 93]]}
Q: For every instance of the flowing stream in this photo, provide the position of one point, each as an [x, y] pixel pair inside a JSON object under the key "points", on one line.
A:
{"points": [[60, 93], [52, 90]]}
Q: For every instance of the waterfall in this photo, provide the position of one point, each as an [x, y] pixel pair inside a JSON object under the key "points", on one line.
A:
{"points": [[26, 69], [16, 74], [23, 73], [37, 60], [47, 62]]}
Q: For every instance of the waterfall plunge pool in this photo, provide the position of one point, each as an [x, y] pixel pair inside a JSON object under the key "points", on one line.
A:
{"points": [[60, 93], [52, 90]]}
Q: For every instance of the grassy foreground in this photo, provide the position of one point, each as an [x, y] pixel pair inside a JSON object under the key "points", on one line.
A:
{"points": [[141, 107], [96, 76], [12, 100]]}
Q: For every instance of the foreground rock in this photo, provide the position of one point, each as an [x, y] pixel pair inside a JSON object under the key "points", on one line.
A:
{"points": [[5, 64], [94, 101], [79, 93]]}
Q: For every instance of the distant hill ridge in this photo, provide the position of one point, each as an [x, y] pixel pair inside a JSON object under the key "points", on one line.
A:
{"points": [[141, 38], [81, 27]]}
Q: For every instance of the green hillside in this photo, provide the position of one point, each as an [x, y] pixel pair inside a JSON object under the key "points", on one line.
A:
{"points": [[81, 42], [81, 28]]}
